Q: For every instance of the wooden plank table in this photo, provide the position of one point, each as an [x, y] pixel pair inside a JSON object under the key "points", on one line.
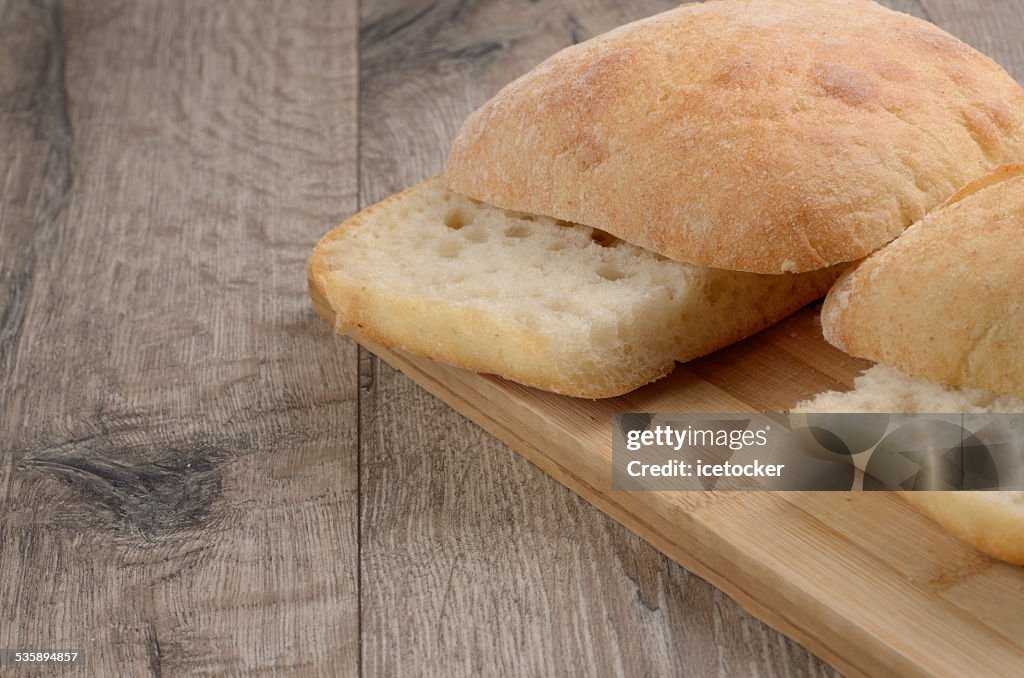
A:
{"points": [[194, 476]]}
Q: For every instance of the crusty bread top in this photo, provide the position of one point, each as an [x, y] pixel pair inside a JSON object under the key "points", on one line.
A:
{"points": [[945, 301], [757, 135]]}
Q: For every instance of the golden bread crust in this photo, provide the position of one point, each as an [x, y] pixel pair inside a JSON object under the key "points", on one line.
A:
{"points": [[944, 301], [757, 135], [989, 521]]}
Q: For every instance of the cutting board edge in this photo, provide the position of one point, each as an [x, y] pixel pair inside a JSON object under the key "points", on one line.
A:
{"points": [[833, 646], [870, 664]]}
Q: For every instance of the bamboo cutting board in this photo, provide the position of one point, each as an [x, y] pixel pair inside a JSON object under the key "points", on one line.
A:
{"points": [[860, 579]]}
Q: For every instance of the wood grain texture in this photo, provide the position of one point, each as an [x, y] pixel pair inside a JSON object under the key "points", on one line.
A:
{"points": [[165, 504], [993, 26], [861, 578], [483, 517], [194, 476]]}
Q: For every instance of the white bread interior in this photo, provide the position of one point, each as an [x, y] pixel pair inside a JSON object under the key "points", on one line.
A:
{"points": [[549, 304], [886, 389], [992, 522]]}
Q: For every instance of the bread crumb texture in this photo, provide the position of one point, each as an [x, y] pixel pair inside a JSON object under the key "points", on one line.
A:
{"points": [[944, 301], [760, 135], [992, 522], [547, 303], [886, 389]]}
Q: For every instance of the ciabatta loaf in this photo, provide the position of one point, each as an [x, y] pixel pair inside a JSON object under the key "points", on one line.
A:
{"points": [[758, 135], [945, 301], [992, 522], [549, 304]]}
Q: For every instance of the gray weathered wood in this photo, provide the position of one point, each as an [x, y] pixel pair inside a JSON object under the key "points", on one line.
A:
{"points": [[996, 27], [165, 503], [183, 483]]}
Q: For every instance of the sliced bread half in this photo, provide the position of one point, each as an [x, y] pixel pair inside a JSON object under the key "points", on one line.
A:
{"points": [[992, 522], [944, 300], [550, 304], [757, 135]]}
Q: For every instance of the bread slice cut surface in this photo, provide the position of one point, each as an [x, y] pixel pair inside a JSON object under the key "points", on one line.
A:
{"points": [[549, 304], [992, 522]]}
